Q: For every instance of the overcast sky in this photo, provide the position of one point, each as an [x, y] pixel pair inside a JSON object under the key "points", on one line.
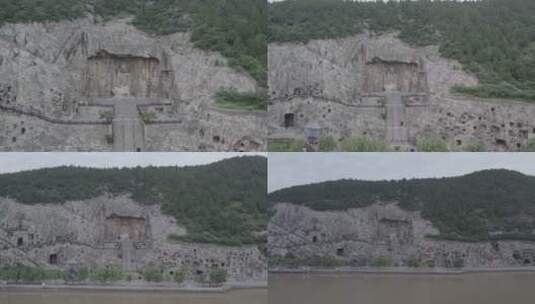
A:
{"points": [[290, 169], [13, 162]]}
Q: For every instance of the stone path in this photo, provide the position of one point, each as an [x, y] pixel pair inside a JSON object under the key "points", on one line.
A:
{"points": [[128, 131], [397, 132], [396, 126], [127, 252]]}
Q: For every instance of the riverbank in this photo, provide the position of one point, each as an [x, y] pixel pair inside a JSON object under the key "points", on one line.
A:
{"points": [[401, 270], [135, 287]]}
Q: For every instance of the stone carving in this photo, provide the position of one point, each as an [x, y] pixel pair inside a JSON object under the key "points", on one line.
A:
{"points": [[358, 236], [114, 231], [378, 87], [157, 92]]}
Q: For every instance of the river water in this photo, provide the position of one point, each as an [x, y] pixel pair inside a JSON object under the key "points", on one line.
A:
{"points": [[245, 296], [484, 288]]}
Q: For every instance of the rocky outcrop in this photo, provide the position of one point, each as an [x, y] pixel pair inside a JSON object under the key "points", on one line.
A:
{"points": [[110, 231], [341, 86], [77, 72], [358, 237]]}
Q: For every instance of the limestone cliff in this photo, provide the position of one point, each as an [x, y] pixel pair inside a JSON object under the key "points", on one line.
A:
{"points": [[383, 234], [114, 231], [379, 87], [81, 86]]}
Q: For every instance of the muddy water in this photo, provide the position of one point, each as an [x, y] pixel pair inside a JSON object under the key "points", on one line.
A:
{"points": [[246, 296], [487, 288]]}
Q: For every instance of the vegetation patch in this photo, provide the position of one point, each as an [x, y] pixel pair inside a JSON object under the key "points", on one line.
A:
{"points": [[218, 276], [475, 147], [415, 262], [107, 275], [530, 146], [232, 99], [106, 115], [502, 90], [179, 276], [26, 274], [432, 143], [381, 261], [328, 144], [363, 144], [286, 145], [148, 116], [152, 274]]}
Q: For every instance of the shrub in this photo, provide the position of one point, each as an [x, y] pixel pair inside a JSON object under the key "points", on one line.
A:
{"points": [[232, 99], [111, 274], [363, 144], [501, 90], [530, 146], [21, 273], [381, 261], [286, 145], [180, 276], [327, 144], [413, 262], [152, 274], [106, 115], [475, 147], [288, 260], [324, 261], [418, 263], [427, 264], [200, 278], [432, 144], [148, 116], [82, 274], [218, 276]]}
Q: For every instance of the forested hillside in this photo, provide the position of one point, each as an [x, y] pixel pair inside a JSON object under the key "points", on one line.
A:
{"points": [[222, 203], [494, 39], [235, 28], [491, 204]]}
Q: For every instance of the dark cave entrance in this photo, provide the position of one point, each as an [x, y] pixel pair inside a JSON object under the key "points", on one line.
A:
{"points": [[53, 259], [289, 120]]}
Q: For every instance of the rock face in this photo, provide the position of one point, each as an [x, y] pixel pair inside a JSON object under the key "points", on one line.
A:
{"points": [[80, 86], [114, 231], [381, 88], [359, 236]]}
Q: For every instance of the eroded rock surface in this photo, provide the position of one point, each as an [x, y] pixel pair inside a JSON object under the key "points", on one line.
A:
{"points": [[402, 238], [110, 231], [377, 86], [80, 86]]}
